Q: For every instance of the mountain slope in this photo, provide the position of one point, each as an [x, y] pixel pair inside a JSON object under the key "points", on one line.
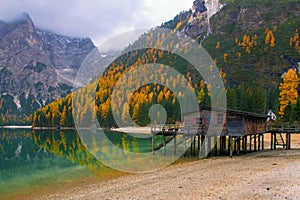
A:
{"points": [[252, 42], [263, 62], [36, 67]]}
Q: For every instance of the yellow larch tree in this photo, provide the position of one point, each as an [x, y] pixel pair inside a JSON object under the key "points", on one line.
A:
{"points": [[218, 45], [288, 91], [62, 121], [272, 43]]}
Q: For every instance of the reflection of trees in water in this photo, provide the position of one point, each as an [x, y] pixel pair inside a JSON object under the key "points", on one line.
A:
{"points": [[18, 150], [67, 144], [44, 149]]}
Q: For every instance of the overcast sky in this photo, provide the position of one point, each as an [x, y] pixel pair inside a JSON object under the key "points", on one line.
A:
{"points": [[97, 19]]}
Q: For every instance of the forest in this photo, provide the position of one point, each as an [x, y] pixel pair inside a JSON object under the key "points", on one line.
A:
{"points": [[248, 95]]}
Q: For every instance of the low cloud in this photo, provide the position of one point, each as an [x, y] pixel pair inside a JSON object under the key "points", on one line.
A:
{"points": [[97, 19]]}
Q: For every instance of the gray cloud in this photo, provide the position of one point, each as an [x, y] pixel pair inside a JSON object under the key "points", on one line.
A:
{"points": [[98, 19]]}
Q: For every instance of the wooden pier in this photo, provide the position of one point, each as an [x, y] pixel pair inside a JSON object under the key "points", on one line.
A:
{"points": [[199, 143], [281, 135], [241, 132], [236, 132]]}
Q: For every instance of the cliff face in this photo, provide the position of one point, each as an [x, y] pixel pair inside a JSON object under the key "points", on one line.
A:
{"points": [[199, 23], [36, 66]]}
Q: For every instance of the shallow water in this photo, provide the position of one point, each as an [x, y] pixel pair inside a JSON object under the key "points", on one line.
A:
{"points": [[31, 160]]}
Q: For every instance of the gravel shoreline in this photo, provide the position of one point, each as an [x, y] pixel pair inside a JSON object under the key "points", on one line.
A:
{"points": [[261, 175]]}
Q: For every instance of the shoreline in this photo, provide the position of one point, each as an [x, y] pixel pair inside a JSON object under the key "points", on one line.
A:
{"points": [[15, 127], [132, 129], [264, 175]]}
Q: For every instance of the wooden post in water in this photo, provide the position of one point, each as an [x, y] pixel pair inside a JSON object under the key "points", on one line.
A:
{"points": [[263, 142], [153, 135], [192, 145], [206, 146], [209, 146], [165, 144], [255, 144], [258, 148], [238, 145], [230, 146], [274, 141], [215, 145], [272, 138], [234, 144], [175, 145], [203, 146], [288, 141], [245, 144], [198, 143], [221, 145], [224, 138], [250, 147], [194, 153], [184, 145]]}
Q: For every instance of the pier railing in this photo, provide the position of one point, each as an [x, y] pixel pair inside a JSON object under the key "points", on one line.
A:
{"points": [[172, 128], [283, 129]]}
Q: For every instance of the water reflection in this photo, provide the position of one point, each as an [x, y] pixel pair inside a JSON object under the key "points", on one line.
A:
{"points": [[18, 149], [26, 147], [33, 158], [67, 144]]}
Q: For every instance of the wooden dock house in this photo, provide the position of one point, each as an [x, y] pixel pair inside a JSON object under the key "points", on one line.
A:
{"points": [[240, 131]]}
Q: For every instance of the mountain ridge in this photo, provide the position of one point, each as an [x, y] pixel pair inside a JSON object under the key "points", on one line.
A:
{"points": [[250, 61], [36, 67]]}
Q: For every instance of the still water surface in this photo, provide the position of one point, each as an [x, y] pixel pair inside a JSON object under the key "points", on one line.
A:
{"points": [[30, 159]]}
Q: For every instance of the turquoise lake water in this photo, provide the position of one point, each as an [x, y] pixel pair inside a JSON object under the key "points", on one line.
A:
{"points": [[30, 160]]}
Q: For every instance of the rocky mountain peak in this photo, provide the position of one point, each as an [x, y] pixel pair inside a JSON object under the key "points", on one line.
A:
{"points": [[198, 8], [25, 22], [36, 66], [213, 6], [199, 23]]}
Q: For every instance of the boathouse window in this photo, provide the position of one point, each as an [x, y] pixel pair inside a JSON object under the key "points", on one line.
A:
{"points": [[220, 119], [199, 121]]}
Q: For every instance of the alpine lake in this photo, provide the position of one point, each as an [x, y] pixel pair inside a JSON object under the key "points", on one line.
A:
{"points": [[34, 160]]}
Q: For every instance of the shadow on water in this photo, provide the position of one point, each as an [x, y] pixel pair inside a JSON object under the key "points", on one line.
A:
{"points": [[32, 159]]}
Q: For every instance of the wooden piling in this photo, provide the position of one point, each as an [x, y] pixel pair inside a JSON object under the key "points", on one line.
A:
{"points": [[258, 148], [274, 141], [215, 146], [175, 145], [272, 138], [238, 146], [153, 142], [250, 147], [255, 143], [230, 148], [165, 144]]}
